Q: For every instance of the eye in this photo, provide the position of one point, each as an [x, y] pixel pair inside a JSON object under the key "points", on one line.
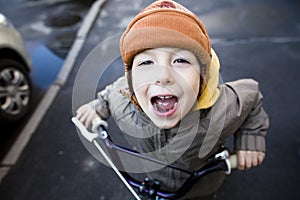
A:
{"points": [[147, 62], [181, 60]]}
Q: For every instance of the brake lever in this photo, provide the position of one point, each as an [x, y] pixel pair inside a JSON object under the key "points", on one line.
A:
{"points": [[84, 132]]}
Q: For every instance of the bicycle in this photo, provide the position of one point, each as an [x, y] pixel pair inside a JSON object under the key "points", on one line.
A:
{"points": [[150, 189]]}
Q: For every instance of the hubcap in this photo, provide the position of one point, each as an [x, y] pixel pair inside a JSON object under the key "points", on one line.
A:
{"points": [[14, 91]]}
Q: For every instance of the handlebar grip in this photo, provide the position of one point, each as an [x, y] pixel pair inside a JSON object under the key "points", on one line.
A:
{"points": [[233, 161], [98, 122]]}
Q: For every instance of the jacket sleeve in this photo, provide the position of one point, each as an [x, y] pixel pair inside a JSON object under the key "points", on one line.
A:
{"points": [[251, 134], [101, 104]]}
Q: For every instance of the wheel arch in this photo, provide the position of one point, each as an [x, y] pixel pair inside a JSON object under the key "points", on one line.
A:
{"points": [[9, 53]]}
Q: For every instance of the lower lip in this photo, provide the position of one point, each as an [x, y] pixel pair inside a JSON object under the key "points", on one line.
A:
{"points": [[166, 114]]}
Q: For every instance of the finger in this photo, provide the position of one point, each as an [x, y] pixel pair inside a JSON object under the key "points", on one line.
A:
{"points": [[89, 116], [260, 157], [78, 115], [254, 159], [80, 111], [83, 117], [248, 160], [90, 119], [241, 161]]}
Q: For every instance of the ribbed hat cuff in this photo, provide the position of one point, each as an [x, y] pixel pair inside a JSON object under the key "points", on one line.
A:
{"points": [[156, 38]]}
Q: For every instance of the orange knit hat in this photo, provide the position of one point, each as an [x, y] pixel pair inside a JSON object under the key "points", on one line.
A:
{"points": [[166, 23]]}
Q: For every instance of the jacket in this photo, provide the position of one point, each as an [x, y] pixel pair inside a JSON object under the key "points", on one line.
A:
{"points": [[237, 112]]}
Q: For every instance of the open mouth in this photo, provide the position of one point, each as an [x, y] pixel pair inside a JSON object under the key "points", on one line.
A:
{"points": [[164, 104]]}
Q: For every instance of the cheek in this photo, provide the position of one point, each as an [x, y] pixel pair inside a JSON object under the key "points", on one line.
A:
{"points": [[190, 82], [195, 85], [141, 96], [194, 80], [140, 85], [141, 78]]}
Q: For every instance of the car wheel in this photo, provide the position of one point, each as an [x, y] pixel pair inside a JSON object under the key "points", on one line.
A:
{"points": [[15, 90]]}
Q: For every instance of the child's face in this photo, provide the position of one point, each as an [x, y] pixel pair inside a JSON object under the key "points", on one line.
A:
{"points": [[166, 83]]}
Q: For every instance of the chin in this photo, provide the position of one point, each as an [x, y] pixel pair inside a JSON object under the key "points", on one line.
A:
{"points": [[162, 124]]}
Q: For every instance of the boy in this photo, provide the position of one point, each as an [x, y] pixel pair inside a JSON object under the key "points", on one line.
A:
{"points": [[169, 102]]}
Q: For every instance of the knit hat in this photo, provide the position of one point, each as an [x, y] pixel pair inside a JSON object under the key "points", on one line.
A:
{"points": [[166, 23]]}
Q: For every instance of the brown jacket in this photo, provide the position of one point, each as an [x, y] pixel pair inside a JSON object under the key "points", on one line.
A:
{"points": [[238, 111]]}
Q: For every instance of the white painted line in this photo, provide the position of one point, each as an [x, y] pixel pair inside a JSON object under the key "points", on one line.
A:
{"points": [[24, 137], [16, 150], [3, 172], [69, 62], [90, 19], [79, 41]]}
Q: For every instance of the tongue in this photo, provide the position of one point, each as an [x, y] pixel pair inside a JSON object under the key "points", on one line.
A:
{"points": [[164, 105]]}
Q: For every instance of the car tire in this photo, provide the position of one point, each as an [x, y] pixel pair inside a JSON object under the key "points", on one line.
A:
{"points": [[15, 90]]}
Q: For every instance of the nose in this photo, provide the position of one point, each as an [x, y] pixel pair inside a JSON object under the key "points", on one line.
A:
{"points": [[164, 75]]}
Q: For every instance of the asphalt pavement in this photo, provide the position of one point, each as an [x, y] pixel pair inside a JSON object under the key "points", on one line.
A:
{"points": [[258, 39]]}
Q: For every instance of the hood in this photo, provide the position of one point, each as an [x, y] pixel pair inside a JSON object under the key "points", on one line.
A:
{"points": [[211, 93]]}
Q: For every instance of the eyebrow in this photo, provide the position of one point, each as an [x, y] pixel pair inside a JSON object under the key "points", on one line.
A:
{"points": [[175, 51]]}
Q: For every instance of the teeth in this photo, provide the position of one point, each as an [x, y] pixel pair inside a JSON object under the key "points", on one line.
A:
{"points": [[165, 97]]}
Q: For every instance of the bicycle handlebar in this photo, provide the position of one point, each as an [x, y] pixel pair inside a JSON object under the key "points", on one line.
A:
{"points": [[222, 161], [152, 188]]}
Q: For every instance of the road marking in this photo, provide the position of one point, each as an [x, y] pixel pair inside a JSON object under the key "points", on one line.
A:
{"points": [[14, 153], [80, 39], [3, 172], [16, 150]]}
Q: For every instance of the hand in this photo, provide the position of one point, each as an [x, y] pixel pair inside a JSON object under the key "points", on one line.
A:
{"points": [[86, 114], [248, 159]]}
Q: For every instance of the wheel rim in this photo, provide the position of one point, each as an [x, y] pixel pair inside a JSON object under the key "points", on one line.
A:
{"points": [[14, 91]]}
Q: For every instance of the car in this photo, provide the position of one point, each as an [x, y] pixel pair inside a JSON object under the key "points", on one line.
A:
{"points": [[15, 67]]}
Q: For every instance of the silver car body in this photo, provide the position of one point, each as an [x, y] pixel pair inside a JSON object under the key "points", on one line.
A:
{"points": [[12, 43], [15, 66]]}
